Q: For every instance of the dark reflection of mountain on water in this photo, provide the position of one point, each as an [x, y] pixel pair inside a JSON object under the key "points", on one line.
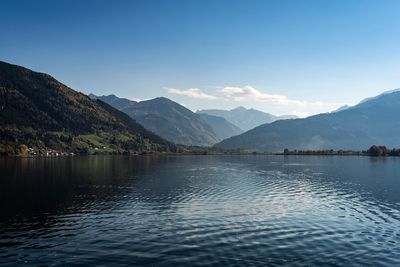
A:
{"points": [[200, 210], [54, 184]]}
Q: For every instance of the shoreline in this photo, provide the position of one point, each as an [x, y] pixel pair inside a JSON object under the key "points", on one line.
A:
{"points": [[373, 151], [192, 154]]}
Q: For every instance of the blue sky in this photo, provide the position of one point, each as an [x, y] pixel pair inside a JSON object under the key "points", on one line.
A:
{"points": [[283, 57]]}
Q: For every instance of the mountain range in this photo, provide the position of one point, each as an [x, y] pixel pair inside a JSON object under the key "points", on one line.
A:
{"points": [[245, 119], [38, 111], [173, 121], [373, 121]]}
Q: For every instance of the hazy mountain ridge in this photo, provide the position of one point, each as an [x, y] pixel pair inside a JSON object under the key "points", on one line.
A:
{"points": [[116, 102], [223, 128], [39, 111], [245, 119], [174, 122], [374, 121]]}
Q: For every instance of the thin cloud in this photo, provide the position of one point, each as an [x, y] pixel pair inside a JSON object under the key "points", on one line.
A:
{"points": [[191, 92], [301, 114], [249, 93]]}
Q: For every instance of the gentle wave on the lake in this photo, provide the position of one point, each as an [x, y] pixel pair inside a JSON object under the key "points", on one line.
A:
{"points": [[200, 210]]}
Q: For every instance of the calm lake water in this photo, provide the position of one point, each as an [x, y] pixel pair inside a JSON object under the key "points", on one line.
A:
{"points": [[200, 211]]}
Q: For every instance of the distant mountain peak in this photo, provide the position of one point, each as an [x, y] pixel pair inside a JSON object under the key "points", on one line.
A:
{"points": [[391, 91], [161, 98], [385, 93], [344, 107], [116, 102], [93, 96], [240, 108], [245, 119], [173, 121]]}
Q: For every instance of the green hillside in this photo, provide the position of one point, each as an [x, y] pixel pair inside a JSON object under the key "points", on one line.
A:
{"points": [[42, 113]]}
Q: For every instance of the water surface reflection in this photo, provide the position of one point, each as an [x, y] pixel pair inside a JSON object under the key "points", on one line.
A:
{"points": [[200, 210]]}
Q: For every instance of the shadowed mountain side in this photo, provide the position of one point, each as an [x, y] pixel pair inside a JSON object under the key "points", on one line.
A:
{"points": [[374, 121], [174, 122], [169, 120], [41, 112], [223, 128]]}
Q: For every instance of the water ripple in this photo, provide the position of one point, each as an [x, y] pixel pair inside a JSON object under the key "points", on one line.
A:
{"points": [[202, 211]]}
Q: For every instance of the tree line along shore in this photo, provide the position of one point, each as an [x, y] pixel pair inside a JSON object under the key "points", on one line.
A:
{"points": [[25, 151], [373, 151]]}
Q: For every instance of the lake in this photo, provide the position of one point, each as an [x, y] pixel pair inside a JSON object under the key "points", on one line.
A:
{"points": [[200, 211]]}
